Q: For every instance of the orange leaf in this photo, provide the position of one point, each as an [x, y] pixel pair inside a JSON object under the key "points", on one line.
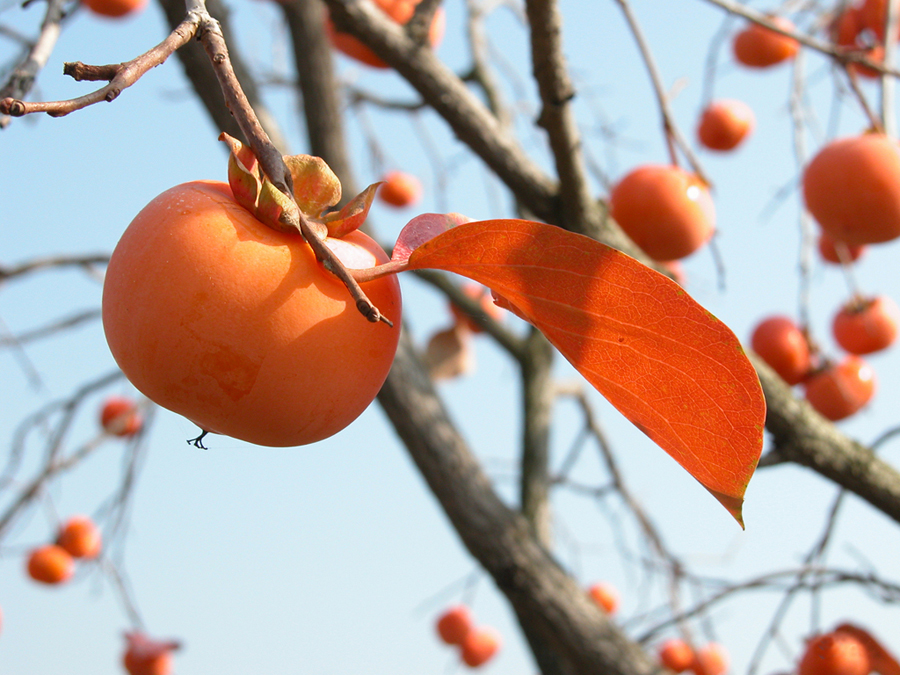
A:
{"points": [[678, 373]]}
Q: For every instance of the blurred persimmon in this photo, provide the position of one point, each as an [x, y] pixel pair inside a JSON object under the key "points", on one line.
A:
{"points": [[784, 347], [835, 653], [114, 8], [400, 189], [839, 390], [119, 416], [80, 537], [759, 47], [50, 564], [676, 655], [454, 624], [866, 325], [725, 124]]}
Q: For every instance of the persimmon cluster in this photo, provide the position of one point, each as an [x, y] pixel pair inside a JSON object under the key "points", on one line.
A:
{"points": [[54, 563], [678, 656], [477, 644]]}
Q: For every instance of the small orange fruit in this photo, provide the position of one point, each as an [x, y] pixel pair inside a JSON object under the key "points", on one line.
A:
{"points": [[400, 189], [606, 596], [80, 537], [866, 325], [838, 391], [784, 347], [454, 624], [666, 211], [711, 659], [479, 646], [401, 11], [837, 252], [114, 8], [724, 124], [236, 326], [676, 655], [120, 417], [50, 564], [834, 653], [145, 656], [852, 189], [759, 47]]}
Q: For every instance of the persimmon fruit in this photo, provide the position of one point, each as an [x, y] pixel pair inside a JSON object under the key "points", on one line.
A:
{"points": [[400, 189], [454, 624], [667, 211], [400, 11], [119, 416], [840, 390], [782, 345], [873, 14], [711, 659], [837, 252], [479, 646], [605, 596], [866, 325], [146, 656], [237, 326], [50, 564], [835, 653], [759, 47], [114, 9], [676, 655], [852, 189], [80, 537], [725, 124]]}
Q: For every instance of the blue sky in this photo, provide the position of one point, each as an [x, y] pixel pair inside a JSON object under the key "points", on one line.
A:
{"points": [[335, 558]]}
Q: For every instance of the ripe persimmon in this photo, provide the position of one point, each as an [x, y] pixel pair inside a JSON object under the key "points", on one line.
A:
{"points": [[873, 14], [114, 8], [50, 564], [866, 325], [454, 624], [783, 346], [711, 659], [834, 653], [400, 189], [837, 252], [479, 646], [759, 47], [120, 417], [676, 655], [852, 189], [724, 124], [666, 211], [401, 11], [80, 537], [605, 596], [840, 390], [237, 326], [145, 656]]}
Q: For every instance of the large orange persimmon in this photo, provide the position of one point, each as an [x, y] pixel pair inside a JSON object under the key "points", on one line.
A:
{"points": [[236, 326], [666, 211], [852, 189], [401, 11]]}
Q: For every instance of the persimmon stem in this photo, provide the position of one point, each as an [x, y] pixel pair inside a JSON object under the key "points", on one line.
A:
{"points": [[379, 271]]}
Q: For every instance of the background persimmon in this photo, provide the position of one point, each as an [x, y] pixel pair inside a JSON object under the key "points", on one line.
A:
{"points": [[114, 8], [852, 189], [834, 653], [725, 124], [838, 391], [711, 659], [145, 656], [759, 47], [119, 416], [676, 655], [400, 189], [832, 250], [605, 596], [488, 306], [666, 211], [80, 537], [866, 325], [783, 346], [237, 327], [454, 624], [50, 564], [400, 11], [479, 646]]}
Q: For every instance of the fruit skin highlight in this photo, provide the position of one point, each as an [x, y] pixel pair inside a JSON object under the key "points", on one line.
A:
{"points": [[236, 326], [852, 189]]}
